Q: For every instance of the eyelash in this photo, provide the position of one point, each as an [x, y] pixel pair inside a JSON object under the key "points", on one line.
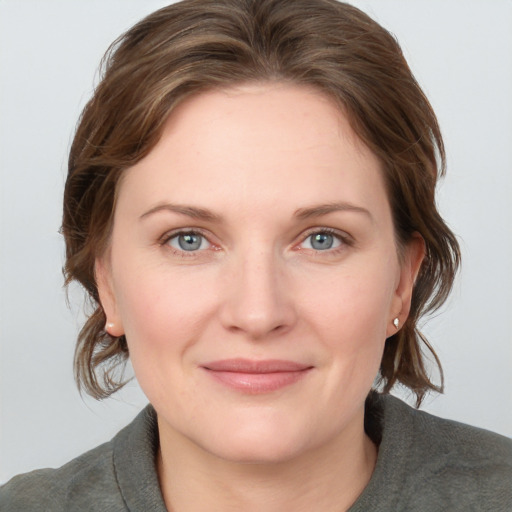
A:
{"points": [[167, 237], [344, 238]]}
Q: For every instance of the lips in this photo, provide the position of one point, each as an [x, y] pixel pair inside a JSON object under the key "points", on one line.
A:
{"points": [[251, 376]]}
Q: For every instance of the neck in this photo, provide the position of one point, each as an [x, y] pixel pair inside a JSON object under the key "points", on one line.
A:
{"points": [[329, 478]]}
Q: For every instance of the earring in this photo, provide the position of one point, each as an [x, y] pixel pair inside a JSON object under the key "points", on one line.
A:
{"points": [[109, 326], [396, 323]]}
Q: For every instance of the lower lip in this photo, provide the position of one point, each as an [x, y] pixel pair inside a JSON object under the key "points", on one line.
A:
{"points": [[256, 383]]}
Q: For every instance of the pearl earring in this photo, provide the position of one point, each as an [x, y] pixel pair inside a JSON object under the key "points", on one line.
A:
{"points": [[396, 323], [109, 326]]}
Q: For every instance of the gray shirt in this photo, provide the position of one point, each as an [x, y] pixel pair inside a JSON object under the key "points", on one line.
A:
{"points": [[424, 464]]}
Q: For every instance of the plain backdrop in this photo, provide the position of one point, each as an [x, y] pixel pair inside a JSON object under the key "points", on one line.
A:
{"points": [[461, 53]]}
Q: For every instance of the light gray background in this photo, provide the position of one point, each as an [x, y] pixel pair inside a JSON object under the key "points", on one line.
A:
{"points": [[461, 53]]}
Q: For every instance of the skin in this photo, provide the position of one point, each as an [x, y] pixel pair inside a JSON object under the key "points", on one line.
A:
{"points": [[263, 160]]}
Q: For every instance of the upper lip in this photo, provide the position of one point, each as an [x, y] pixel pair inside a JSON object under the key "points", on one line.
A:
{"points": [[240, 365]]}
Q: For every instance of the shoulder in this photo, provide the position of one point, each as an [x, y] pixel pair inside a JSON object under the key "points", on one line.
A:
{"points": [[67, 488], [450, 443], [104, 478], [446, 462], [115, 477]]}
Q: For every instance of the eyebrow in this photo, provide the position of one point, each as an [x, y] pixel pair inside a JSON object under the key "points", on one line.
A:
{"points": [[190, 211], [324, 209], [302, 213]]}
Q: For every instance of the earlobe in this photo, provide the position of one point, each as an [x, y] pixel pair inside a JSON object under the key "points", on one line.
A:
{"points": [[108, 301], [413, 256]]}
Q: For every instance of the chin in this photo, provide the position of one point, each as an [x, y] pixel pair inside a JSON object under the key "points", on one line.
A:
{"points": [[260, 442], [260, 451]]}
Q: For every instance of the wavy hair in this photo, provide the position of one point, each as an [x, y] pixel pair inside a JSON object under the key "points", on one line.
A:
{"points": [[196, 45]]}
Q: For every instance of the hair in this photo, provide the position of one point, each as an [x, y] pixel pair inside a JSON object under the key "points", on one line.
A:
{"points": [[196, 45]]}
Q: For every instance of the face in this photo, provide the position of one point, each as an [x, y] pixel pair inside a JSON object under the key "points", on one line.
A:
{"points": [[254, 271]]}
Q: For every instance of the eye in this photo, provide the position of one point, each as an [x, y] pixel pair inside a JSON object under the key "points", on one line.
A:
{"points": [[322, 241], [189, 241]]}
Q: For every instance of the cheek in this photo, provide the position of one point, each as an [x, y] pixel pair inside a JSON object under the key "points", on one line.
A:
{"points": [[353, 302], [162, 311], [164, 316], [351, 317]]}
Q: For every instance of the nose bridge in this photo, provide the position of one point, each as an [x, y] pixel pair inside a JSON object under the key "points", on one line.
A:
{"points": [[257, 301]]}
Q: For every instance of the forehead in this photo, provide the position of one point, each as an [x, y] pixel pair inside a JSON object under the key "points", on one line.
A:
{"points": [[260, 143], [258, 112]]}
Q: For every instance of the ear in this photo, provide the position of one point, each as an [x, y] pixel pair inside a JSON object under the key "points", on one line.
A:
{"points": [[103, 275], [412, 258]]}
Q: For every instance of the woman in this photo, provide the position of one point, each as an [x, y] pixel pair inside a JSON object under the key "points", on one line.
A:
{"points": [[250, 205]]}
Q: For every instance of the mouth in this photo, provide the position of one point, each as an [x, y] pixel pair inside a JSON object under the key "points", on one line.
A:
{"points": [[256, 377]]}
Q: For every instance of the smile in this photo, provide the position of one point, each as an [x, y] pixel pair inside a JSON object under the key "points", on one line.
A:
{"points": [[256, 377]]}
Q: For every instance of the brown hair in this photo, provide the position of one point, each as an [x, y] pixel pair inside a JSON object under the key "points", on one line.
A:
{"points": [[196, 45]]}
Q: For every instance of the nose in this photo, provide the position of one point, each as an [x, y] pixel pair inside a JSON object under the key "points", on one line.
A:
{"points": [[257, 300]]}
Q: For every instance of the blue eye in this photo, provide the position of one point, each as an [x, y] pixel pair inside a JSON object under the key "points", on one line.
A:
{"points": [[189, 242], [322, 241]]}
